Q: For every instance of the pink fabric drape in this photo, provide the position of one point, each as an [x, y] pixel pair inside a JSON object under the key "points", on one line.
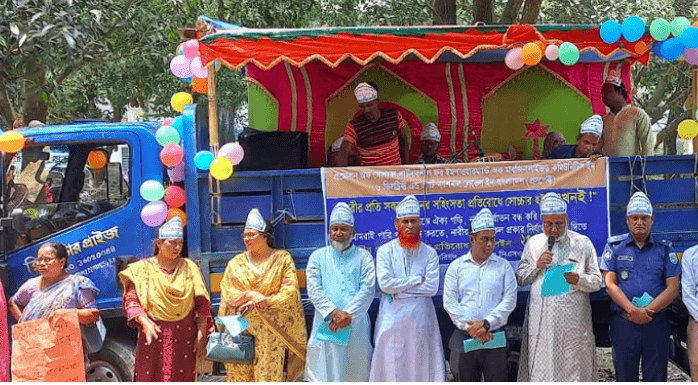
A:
{"points": [[4, 339]]}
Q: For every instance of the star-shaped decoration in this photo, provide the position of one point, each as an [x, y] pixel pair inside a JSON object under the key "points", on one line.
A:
{"points": [[536, 130]]}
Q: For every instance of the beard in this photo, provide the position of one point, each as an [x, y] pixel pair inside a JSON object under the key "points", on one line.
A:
{"points": [[408, 241], [341, 246]]}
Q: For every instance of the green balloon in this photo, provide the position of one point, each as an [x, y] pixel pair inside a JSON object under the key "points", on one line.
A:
{"points": [[660, 29], [166, 135], [678, 25], [569, 53], [152, 190]]}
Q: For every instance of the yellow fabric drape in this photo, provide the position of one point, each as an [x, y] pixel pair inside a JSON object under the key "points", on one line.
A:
{"points": [[165, 297], [277, 329]]}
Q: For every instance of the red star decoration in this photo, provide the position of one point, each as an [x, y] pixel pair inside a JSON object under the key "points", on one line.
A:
{"points": [[536, 131]]}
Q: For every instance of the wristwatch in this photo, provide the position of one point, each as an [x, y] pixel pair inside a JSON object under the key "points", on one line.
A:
{"points": [[486, 325]]}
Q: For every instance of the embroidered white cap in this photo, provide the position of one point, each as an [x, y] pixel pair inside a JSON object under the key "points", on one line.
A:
{"points": [[174, 228], [364, 93], [551, 203], [337, 144], [256, 221], [482, 221], [409, 207], [431, 132], [593, 125], [639, 203], [614, 79], [341, 213]]}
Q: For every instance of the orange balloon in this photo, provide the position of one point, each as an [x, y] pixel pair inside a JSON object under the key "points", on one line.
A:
{"points": [[176, 212], [695, 23], [199, 85], [97, 159], [531, 54], [640, 47]]}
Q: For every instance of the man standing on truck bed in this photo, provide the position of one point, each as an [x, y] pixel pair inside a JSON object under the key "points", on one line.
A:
{"points": [[379, 134], [558, 342], [479, 295], [429, 145], [626, 128], [642, 277], [587, 140]]}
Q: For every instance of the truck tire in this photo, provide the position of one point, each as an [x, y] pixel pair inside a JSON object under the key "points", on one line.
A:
{"points": [[114, 363]]}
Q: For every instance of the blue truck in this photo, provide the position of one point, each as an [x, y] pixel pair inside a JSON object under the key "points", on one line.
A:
{"points": [[93, 207]]}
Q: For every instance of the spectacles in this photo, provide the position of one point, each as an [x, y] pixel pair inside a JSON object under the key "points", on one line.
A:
{"points": [[486, 240], [45, 261], [558, 225], [249, 235]]}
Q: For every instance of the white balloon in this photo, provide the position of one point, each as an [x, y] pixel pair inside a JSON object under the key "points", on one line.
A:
{"points": [[552, 52], [197, 70], [513, 59]]}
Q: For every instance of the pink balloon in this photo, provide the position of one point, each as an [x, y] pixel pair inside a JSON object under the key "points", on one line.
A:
{"points": [[191, 48], [171, 155], [691, 55], [175, 196], [552, 52], [513, 59], [180, 67], [167, 122], [197, 70], [154, 213], [232, 151], [176, 173]]}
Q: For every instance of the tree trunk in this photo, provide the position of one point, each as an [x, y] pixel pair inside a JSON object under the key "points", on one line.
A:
{"points": [[483, 10], [7, 113], [445, 12], [531, 11], [511, 12], [35, 106]]}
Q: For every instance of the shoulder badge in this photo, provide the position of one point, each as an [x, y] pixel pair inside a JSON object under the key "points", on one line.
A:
{"points": [[607, 255], [616, 238], [673, 258]]}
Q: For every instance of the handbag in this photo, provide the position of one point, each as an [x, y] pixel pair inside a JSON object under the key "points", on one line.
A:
{"points": [[222, 346], [93, 335]]}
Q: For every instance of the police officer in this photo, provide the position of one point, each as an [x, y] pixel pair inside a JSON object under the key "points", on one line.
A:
{"points": [[642, 277]]}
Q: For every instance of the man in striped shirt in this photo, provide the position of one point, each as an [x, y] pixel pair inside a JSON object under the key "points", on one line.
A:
{"points": [[377, 134]]}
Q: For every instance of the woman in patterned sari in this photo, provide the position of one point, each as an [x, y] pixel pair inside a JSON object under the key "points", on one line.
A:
{"points": [[166, 299], [261, 284]]}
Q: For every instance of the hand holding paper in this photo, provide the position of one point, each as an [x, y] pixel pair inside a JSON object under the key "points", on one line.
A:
{"points": [[555, 283], [340, 337]]}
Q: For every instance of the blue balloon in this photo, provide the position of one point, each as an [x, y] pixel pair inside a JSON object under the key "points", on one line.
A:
{"points": [[657, 48], [610, 31], [188, 80], [633, 28], [203, 160], [672, 49], [178, 124], [689, 37]]}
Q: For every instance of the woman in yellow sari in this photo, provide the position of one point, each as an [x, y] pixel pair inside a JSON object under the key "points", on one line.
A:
{"points": [[261, 284]]}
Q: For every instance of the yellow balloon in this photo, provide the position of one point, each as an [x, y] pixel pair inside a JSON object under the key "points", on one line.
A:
{"points": [[179, 100], [688, 129], [11, 141], [221, 168]]}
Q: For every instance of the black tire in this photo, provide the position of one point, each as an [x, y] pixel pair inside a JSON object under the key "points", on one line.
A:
{"points": [[114, 363]]}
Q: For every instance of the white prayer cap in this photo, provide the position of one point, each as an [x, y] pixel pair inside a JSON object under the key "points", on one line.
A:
{"points": [[551, 203], [614, 79], [482, 221], [431, 132], [173, 228], [341, 213], [256, 221], [409, 207], [364, 93], [337, 144], [35, 123], [639, 203], [593, 125]]}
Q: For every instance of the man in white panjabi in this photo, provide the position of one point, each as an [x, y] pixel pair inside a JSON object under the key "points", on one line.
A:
{"points": [[407, 338], [341, 285], [558, 341]]}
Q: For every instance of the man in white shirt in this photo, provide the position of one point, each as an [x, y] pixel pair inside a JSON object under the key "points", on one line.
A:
{"points": [[689, 295], [479, 295]]}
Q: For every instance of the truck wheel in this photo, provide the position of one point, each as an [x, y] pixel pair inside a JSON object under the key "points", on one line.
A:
{"points": [[114, 363]]}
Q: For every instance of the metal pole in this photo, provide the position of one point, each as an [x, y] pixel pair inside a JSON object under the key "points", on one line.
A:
{"points": [[212, 111], [694, 102]]}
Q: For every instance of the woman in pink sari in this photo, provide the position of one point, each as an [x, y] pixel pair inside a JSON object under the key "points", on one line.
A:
{"points": [[4, 340]]}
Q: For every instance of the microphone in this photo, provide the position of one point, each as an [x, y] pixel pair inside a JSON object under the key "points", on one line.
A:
{"points": [[551, 242]]}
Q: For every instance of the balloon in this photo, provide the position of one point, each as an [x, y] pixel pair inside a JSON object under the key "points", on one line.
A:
{"points": [[197, 69], [203, 159], [678, 25], [610, 31], [191, 48], [171, 155], [217, 65], [180, 49], [660, 29], [154, 213], [691, 55], [672, 49], [96, 159], [180, 66], [221, 168], [657, 48], [175, 212], [569, 53], [199, 85], [167, 122], [178, 124], [552, 52], [176, 173], [179, 100], [640, 47], [531, 54], [188, 80], [233, 151], [689, 38], [11, 141], [633, 28], [513, 59], [152, 190], [688, 129], [175, 196], [166, 135]]}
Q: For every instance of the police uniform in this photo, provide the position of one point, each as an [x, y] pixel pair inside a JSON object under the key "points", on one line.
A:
{"points": [[640, 271]]}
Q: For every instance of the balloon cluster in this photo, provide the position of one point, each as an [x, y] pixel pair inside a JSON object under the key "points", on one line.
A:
{"points": [[187, 66], [220, 167], [532, 53]]}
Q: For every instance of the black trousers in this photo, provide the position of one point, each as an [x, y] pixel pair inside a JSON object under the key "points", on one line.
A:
{"points": [[471, 366]]}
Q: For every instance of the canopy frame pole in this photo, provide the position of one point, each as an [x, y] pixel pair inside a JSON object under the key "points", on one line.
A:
{"points": [[213, 140], [694, 102]]}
